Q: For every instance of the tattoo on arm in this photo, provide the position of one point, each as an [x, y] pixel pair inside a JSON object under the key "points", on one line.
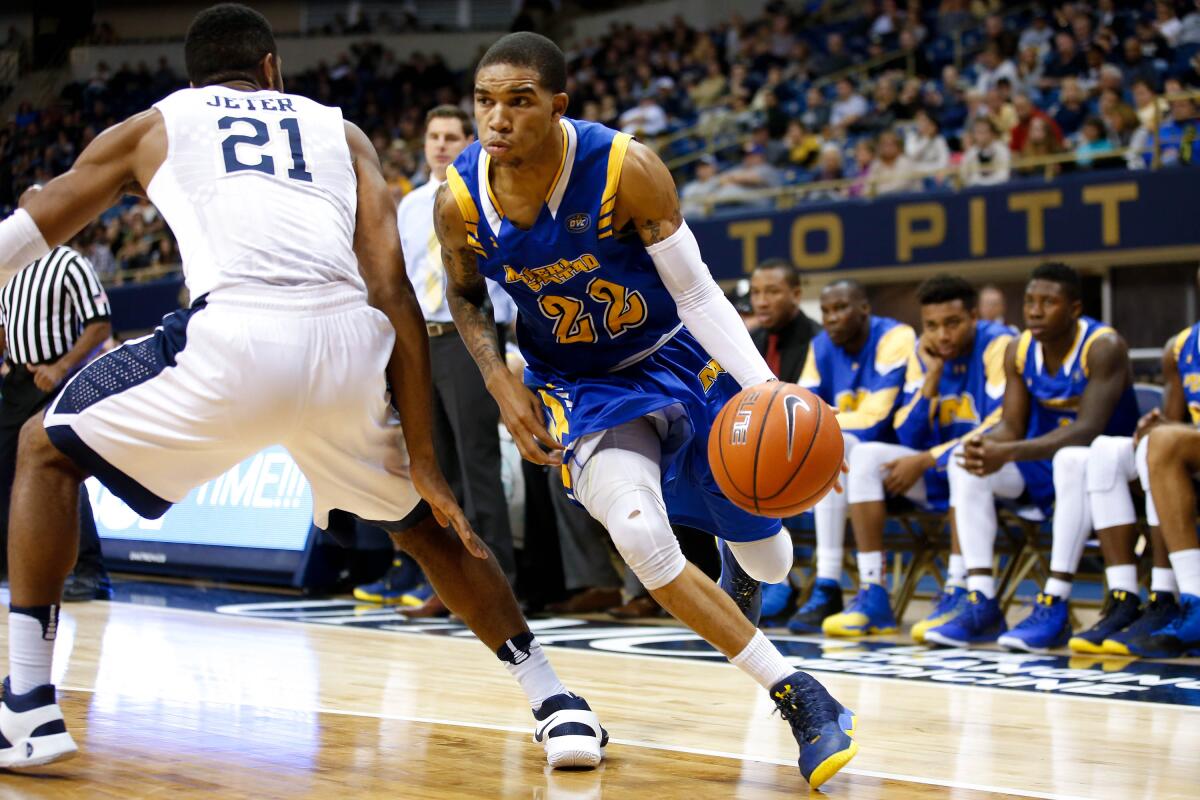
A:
{"points": [[466, 294], [651, 229]]}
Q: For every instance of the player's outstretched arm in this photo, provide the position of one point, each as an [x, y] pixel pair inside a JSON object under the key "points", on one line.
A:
{"points": [[466, 294], [119, 160], [381, 263], [646, 196]]}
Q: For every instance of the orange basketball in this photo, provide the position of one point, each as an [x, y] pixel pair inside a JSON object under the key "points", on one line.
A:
{"points": [[776, 449]]}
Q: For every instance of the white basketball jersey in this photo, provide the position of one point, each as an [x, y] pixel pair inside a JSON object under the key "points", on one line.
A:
{"points": [[258, 188]]}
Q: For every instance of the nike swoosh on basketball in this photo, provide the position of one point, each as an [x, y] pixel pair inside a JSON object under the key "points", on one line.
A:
{"points": [[790, 404]]}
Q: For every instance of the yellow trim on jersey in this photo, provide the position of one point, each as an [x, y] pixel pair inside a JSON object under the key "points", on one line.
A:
{"points": [[810, 376], [559, 427], [993, 365], [1023, 344], [1087, 345], [894, 348], [466, 207], [1180, 341], [616, 160], [991, 420], [868, 408], [562, 164]]}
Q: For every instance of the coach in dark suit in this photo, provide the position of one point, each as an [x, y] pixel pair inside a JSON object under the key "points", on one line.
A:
{"points": [[784, 331]]}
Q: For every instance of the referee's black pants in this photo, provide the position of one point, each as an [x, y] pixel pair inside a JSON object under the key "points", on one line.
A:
{"points": [[466, 436], [21, 399]]}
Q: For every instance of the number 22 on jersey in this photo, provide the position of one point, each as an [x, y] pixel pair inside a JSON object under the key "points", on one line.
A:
{"points": [[259, 137], [623, 310]]}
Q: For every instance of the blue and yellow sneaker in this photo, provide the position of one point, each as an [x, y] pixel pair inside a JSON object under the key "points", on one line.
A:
{"points": [[825, 601], [1138, 639], [390, 590], [1046, 627], [745, 591], [1180, 636], [945, 608], [869, 612], [822, 726], [980, 621], [776, 598], [1121, 609]]}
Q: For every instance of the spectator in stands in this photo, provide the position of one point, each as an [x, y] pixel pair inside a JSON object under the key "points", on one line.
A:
{"points": [[1039, 143], [1026, 113], [1038, 35], [864, 157], [1001, 37], [1093, 143], [738, 186], [829, 168], [1167, 23], [1065, 62], [710, 89], [1151, 109], [1002, 113], [1071, 109], [849, 106], [1030, 70], [992, 306], [1137, 67], [891, 171], [703, 185], [986, 162], [883, 112], [925, 146], [835, 58], [647, 118], [816, 110], [1189, 29], [801, 146], [991, 66]]}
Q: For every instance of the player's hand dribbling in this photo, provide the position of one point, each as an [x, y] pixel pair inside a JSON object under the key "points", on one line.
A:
{"points": [[523, 416]]}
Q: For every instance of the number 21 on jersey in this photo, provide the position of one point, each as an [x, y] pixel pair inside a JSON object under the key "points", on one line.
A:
{"points": [[258, 135]]}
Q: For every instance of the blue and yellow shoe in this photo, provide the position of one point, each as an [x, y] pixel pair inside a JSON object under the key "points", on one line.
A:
{"points": [[1138, 639], [776, 597], [945, 608], [1046, 627], [1121, 609], [980, 621], [1180, 636], [745, 591], [825, 601], [870, 612], [822, 726], [390, 590]]}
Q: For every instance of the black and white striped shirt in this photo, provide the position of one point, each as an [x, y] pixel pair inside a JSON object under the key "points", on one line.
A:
{"points": [[46, 305]]}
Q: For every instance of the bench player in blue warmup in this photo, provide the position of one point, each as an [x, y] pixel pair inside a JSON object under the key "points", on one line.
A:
{"points": [[632, 351]]}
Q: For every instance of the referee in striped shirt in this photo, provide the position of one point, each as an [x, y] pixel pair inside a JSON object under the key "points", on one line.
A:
{"points": [[54, 315]]}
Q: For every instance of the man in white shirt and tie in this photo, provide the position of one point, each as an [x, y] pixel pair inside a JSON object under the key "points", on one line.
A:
{"points": [[466, 418]]}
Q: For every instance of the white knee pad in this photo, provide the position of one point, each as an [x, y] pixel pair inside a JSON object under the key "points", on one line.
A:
{"points": [[1143, 470], [767, 560], [864, 484], [1070, 467], [1110, 469]]}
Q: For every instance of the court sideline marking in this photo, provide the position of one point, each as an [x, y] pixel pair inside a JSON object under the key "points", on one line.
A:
{"points": [[890, 776]]}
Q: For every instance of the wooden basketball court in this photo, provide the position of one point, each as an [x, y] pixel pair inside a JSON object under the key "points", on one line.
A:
{"points": [[178, 704]]}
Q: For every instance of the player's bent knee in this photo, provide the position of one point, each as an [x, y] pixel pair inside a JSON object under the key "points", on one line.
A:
{"points": [[1170, 445], [1070, 466], [36, 451], [642, 534], [767, 560], [1106, 463]]}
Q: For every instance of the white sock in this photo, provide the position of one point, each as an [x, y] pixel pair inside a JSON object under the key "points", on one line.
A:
{"points": [[524, 659], [870, 567], [31, 633], [1186, 564], [1058, 588], [984, 584], [1162, 579], [762, 661], [1122, 578], [957, 574], [829, 518], [829, 563]]}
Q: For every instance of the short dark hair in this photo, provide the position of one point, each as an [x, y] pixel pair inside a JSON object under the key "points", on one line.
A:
{"points": [[790, 273], [855, 288], [226, 42], [946, 289], [532, 50], [1064, 276], [448, 111]]}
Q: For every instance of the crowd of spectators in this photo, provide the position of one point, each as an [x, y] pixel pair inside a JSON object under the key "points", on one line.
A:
{"points": [[791, 98]]}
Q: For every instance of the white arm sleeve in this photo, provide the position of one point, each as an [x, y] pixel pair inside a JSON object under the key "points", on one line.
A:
{"points": [[704, 310], [21, 242]]}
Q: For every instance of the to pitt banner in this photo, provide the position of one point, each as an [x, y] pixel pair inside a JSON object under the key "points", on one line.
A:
{"points": [[1141, 215]]}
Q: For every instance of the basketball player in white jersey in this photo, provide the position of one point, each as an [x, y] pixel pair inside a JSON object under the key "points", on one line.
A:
{"points": [[302, 313]]}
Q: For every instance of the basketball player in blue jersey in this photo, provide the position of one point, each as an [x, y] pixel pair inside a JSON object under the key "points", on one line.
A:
{"points": [[954, 384], [632, 351], [1067, 380], [856, 364], [301, 315], [1125, 627]]}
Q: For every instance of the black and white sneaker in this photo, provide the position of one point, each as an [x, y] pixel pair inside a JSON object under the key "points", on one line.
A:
{"points": [[570, 732], [32, 729]]}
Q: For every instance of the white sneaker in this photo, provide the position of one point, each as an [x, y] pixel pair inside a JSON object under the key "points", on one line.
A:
{"points": [[32, 729], [570, 732]]}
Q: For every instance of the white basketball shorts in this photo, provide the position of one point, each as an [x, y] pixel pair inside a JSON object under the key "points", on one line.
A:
{"points": [[243, 369]]}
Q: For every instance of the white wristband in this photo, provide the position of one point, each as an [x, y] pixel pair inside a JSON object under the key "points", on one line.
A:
{"points": [[21, 242]]}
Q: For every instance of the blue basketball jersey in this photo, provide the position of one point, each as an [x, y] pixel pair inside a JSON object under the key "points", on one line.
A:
{"points": [[1187, 359], [970, 395], [1055, 397], [590, 298], [864, 387]]}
